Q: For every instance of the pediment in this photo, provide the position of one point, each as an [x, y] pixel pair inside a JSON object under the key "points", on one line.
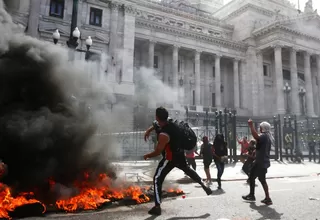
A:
{"points": [[308, 25]]}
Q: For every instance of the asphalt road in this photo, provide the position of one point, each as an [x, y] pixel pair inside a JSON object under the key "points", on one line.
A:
{"points": [[291, 198]]}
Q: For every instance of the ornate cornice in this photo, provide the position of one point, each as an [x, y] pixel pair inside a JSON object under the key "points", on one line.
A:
{"points": [[276, 26], [246, 8], [174, 11], [194, 35], [129, 9]]}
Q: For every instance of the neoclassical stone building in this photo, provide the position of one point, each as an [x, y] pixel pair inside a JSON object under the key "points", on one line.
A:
{"points": [[240, 55]]}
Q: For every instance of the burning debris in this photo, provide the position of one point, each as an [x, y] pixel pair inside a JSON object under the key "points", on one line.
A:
{"points": [[88, 196]]}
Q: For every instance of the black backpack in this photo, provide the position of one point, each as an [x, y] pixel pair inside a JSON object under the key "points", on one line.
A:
{"points": [[187, 137]]}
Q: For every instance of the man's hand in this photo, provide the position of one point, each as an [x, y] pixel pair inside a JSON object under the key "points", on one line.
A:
{"points": [[145, 157], [146, 135], [250, 123]]}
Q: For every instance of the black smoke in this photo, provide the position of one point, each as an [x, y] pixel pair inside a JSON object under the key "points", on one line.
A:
{"points": [[44, 134]]}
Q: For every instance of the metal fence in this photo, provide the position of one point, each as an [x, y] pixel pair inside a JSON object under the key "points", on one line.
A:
{"points": [[292, 135]]}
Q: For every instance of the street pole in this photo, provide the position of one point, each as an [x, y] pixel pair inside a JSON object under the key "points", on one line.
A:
{"points": [[73, 41]]}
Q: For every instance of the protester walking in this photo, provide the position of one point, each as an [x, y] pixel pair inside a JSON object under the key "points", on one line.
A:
{"points": [[262, 161], [173, 156], [220, 155], [206, 153]]}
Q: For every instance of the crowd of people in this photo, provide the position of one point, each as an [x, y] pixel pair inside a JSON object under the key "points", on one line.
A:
{"points": [[255, 155]]}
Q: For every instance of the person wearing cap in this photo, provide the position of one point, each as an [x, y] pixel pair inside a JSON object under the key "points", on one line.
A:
{"points": [[262, 161]]}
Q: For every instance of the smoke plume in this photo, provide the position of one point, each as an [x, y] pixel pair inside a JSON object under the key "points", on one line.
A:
{"points": [[44, 133]]}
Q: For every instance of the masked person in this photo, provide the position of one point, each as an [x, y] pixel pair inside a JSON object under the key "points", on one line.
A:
{"points": [[262, 161], [173, 156]]}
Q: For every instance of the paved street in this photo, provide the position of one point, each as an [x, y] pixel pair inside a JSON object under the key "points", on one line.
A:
{"points": [[290, 197]]}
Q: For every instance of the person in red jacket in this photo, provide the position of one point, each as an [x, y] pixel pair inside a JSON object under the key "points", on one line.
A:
{"points": [[244, 148]]}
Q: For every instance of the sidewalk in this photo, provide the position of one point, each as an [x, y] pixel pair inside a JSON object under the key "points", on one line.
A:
{"points": [[143, 171]]}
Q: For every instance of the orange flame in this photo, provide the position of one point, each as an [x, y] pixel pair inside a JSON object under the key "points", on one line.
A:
{"points": [[8, 203], [92, 195]]}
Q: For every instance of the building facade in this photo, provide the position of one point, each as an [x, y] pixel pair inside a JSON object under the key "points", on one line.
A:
{"points": [[260, 57]]}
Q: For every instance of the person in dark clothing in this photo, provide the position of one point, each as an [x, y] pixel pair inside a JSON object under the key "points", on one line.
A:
{"points": [[261, 162], [251, 154], [173, 156], [312, 150], [206, 153], [220, 155]]}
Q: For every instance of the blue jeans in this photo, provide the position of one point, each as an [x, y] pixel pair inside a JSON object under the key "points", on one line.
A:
{"points": [[220, 168]]}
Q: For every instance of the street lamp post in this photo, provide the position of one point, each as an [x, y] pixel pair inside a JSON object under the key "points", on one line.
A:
{"points": [[302, 92], [287, 90], [73, 42]]}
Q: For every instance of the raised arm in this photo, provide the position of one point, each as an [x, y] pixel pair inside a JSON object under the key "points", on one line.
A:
{"points": [[162, 142], [147, 132], [253, 130]]}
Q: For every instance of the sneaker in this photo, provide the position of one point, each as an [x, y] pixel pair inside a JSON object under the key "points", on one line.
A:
{"points": [[207, 190], [156, 210], [249, 198], [267, 201]]}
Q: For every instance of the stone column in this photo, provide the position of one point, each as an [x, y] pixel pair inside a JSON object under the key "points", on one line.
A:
{"points": [[279, 79], [294, 82], [33, 21], [318, 78], [151, 53], [308, 81], [197, 77], [260, 80], [236, 83], [207, 94], [128, 46], [218, 80], [175, 60], [113, 42]]}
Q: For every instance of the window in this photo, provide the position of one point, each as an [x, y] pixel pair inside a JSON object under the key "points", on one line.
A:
{"points": [[193, 97], [194, 68], [95, 17], [155, 62], [286, 74], [56, 8], [179, 66], [213, 99], [265, 70], [213, 71], [301, 76]]}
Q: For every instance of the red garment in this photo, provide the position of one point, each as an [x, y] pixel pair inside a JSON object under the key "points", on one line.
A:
{"points": [[168, 152], [244, 146], [190, 155]]}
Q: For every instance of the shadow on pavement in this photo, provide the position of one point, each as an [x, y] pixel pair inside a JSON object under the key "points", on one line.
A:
{"points": [[266, 211], [191, 217], [178, 218], [218, 192]]}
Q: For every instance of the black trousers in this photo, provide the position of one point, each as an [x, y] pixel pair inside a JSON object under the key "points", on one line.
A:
{"points": [[257, 171], [192, 162], [164, 167], [312, 151]]}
